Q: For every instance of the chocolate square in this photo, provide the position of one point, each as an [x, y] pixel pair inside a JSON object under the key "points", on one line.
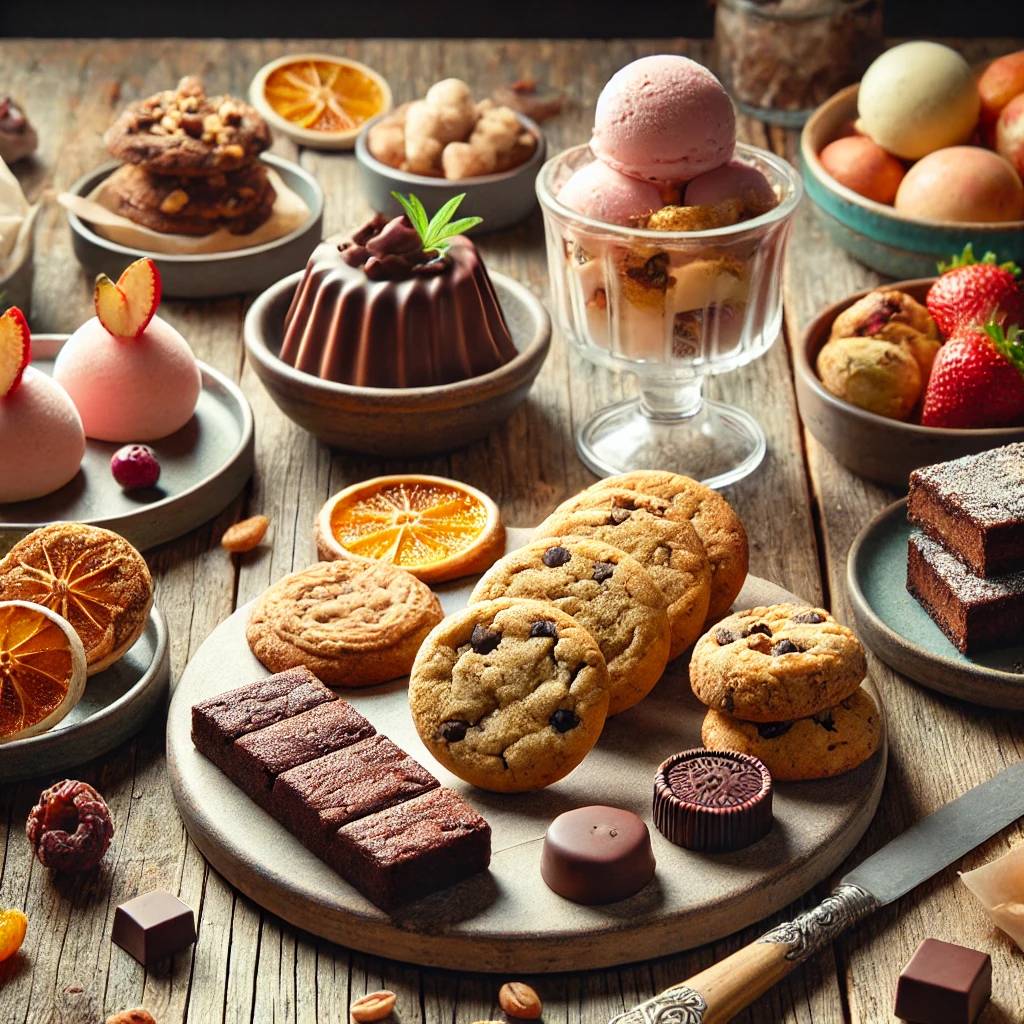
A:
{"points": [[153, 926], [944, 984]]}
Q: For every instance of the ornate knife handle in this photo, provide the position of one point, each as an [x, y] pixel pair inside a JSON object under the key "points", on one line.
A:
{"points": [[719, 993]]}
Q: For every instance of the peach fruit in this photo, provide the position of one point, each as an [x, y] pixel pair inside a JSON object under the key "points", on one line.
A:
{"points": [[864, 167], [999, 83], [1010, 133]]}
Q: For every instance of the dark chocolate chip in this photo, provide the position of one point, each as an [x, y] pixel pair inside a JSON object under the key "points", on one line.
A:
{"points": [[759, 627], [554, 557], [728, 704], [603, 571], [826, 721], [564, 720], [452, 730], [619, 515], [545, 627], [811, 617], [771, 730], [725, 636], [483, 640], [785, 647]]}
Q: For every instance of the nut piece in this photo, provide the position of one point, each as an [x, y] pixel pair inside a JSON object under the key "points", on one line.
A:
{"points": [[174, 201], [372, 1006], [138, 1016], [244, 536], [519, 1000]]}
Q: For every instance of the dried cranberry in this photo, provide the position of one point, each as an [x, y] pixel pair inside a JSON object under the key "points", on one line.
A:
{"points": [[70, 828]]}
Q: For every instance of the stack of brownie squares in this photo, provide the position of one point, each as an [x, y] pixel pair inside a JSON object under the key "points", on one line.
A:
{"points": [[966, 567], [348, 794]]}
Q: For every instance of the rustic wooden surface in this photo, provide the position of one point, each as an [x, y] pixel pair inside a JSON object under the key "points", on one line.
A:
{"points": [[801, 510]]}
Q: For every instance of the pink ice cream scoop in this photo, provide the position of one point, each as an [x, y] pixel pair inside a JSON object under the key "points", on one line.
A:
{"points": [[665, 119], [598, 191], [733, 181], [129, 390]]}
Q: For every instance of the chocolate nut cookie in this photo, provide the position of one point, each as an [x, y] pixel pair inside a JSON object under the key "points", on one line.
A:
{"points": [[717, 525], [510, 695], [607, 592], [658, 537], [776, 664], [184, 132], [351, 623], [826, 744]]}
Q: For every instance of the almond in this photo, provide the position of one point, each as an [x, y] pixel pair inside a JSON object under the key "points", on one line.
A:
{"points": [[519, 1000], [174, 202], [372, 1006], [244, 536]]}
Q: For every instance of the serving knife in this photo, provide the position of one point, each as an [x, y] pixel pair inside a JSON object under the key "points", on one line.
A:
{"points": [[717, 994]]}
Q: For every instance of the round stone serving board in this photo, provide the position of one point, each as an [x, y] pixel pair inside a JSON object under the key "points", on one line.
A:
{"points": [[891, 622], [115, 705], [507, 919], [202, 467]]}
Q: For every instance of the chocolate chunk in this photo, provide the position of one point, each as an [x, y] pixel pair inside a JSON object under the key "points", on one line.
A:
{"points": [[556, 556], [452, 730], [758, 627], [773, 730], [484, 640], [564, 719], [603, 571], [153, 926], [825, 720], [811, 617], [944, 984], [724, 637], [728, 704], [619, 515], [785, 647], [545, 627]]}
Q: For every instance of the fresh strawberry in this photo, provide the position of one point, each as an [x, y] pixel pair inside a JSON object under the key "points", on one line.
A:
{"points": [[971, 294], [15, 349], [126, 308], [977, 380]]}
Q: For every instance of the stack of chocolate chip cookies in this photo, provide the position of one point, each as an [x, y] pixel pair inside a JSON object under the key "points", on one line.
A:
{"points": [[191, 163], [783, 684]]}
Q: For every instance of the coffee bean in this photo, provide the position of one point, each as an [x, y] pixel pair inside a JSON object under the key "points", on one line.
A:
{"points": [[545, 627], [759, 627], [771, 730], [554, 557], [619, 515], [826, 721], [812, 618], [564, 720], [603, 571], [725, 636], [785, 647], [453, 730], [483, 640]]}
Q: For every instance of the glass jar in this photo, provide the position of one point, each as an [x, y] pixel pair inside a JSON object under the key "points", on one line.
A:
{"points": [[779, 59]]}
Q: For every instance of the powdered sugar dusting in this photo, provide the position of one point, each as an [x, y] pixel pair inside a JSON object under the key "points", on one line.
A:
{"points": [[967, 587], [988, 488]]}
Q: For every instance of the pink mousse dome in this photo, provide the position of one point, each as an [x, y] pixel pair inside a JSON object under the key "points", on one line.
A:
{"points": [[41, 439], [665, 119], [129, 391], [598, 191]]}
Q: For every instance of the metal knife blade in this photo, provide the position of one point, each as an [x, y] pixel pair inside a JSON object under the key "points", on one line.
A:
{"points": [[942, 838]]}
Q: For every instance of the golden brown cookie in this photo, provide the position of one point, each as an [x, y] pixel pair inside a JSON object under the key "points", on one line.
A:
{"points": [[510, 695], [352, 623], [712, 517], [92, 577], [660, 538], [607, 592]]}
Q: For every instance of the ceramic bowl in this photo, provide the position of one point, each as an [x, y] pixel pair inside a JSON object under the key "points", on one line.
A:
{"points": [[873, 446], [306, 136], [501, 199], [887, 241], [399, 422], [208, 275]]}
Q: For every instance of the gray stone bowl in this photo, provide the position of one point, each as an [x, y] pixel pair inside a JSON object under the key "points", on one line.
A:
{"points": [[501, 199], [876, 447], [399, 422]]}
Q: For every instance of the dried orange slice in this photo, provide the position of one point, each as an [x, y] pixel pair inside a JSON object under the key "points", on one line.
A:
{"points": [[13, 925], [92, 577], [324, 95], [42, 669], [437, 529]]}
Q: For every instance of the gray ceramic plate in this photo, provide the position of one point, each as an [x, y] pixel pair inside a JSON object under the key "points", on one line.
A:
{"points": [[209, 274], [202, 467], [903, 635], [115, 706]]}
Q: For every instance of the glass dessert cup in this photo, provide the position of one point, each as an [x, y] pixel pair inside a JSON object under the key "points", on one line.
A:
{"points": [[670, 307]]}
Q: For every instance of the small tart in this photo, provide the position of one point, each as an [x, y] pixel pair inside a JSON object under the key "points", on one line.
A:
{"points": [[90, 576]]}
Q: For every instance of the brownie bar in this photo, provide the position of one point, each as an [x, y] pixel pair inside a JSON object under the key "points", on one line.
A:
{"points": [[412, 849], [975, 507], [259, 757], [976, 614], [314, 800]]}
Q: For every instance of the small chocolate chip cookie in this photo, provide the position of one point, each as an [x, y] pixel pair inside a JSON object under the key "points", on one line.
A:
{"points": [[510, 695], [607, 592], [826, 744], [658, 537], [716, 524], [776, 664]]}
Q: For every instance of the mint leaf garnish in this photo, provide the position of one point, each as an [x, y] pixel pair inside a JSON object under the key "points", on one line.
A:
{"points": [[435, 235]]}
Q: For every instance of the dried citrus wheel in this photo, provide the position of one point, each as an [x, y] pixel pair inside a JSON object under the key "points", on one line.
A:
{"points": [[42, 669], [437, 529], [13, 925], [323, 95], [92, 577]]}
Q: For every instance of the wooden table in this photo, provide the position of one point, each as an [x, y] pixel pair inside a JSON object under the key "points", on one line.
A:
{"points": [[801, 510]]}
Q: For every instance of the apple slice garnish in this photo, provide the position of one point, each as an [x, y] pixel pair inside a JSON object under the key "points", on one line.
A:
{"points": [[126, 308], [15, 350]]}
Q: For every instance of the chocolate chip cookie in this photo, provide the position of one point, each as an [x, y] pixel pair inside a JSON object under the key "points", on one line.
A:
{"points": [[826, 744], [607, 592], [712, 517], [776, 664], [510, 695], [351, 622], [660, 538], [184, 132]]}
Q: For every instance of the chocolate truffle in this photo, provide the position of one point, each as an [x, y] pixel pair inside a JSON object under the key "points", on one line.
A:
{"points": [[713, 801], [153, 926], [597, 855], [944, 984]]}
